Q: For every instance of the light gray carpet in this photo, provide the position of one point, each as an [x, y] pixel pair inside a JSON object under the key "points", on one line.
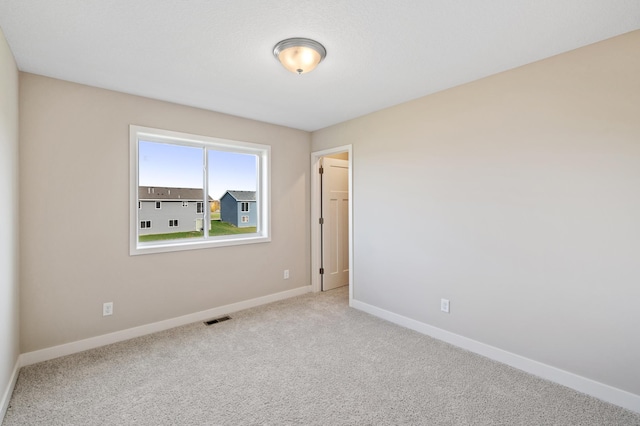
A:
{"points": [[310, 360]]}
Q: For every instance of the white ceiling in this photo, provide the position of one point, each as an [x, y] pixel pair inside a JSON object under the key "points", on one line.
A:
{"points": [[217, 54]]}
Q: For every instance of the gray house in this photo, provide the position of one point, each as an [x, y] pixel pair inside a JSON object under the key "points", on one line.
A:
{"points": [[239, 208], [163, 210]]}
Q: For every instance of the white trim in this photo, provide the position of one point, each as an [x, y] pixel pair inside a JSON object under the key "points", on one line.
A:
{"points": [[119, 336], [315, 216], [6, 396], [581, 384]]}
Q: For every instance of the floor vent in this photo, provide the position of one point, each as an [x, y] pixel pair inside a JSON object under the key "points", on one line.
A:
{"points": [[217, 320]]}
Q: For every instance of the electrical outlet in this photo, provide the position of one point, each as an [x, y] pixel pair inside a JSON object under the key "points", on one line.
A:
{"points": [[286, 274], [107, 309], [444, 305]]}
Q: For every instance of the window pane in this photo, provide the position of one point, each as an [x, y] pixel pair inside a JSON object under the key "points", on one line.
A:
{"points": [[233, 179], [180, 183], [170, 176]]}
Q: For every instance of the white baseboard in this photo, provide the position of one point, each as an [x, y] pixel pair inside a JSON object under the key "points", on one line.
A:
{"points": [[118, 336], [6, 396], [581, 384]]}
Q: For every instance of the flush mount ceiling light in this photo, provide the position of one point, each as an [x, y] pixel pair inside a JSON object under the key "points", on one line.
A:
{"points": [[299, 55]]}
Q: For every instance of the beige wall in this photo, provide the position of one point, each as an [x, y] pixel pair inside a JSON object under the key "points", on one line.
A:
{"points": [[339, 156], [74, 171], [9, 325], [517, 197]]}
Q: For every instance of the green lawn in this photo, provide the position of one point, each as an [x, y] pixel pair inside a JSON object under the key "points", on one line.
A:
{"points": [[224, 228], [217, 228], [171, 236]]}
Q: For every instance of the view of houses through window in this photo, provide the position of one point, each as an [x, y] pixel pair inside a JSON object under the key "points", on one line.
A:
{"points": [[190, 191]]}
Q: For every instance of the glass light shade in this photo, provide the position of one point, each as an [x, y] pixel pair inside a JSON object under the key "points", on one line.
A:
{"points": [[299, 55]]}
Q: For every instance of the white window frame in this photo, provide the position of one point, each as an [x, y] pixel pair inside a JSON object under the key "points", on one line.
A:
{"points": [[145, 224], [244, 219], [173, 223], [158, 205], [263, 154], [242, 204]]}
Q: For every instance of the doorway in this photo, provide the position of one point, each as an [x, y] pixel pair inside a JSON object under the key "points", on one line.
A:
{"points": [[332, 203]]}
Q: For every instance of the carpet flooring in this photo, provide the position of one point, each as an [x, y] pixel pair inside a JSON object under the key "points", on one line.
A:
{"points": [[309, 360]]}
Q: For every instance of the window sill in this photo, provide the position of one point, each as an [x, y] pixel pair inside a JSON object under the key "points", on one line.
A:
{"points": [[195, 244]]}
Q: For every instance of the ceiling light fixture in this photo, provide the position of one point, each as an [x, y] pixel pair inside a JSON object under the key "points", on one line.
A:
{"points": [[299, 55]]}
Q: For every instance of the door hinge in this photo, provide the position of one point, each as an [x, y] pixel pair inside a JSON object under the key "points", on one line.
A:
{"points": [[321, 221], [321, 170], [321, 271]]}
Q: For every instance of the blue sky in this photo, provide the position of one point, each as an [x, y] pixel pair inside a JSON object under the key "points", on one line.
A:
{"points": [[161, 164]]}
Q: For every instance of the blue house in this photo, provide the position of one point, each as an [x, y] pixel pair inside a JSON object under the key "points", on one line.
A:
{"points": [[239, 208]]}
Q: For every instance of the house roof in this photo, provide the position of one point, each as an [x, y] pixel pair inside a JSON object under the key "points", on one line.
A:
{"points": [[242, 195], [169, 193]]}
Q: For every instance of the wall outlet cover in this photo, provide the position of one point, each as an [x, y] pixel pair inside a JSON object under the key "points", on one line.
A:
{"points": [[107, 309]]}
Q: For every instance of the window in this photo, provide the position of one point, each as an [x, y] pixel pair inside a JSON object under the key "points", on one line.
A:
{"points": [[182, 170]]}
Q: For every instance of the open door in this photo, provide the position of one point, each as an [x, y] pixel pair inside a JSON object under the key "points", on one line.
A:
{"points": [[334, 182]]}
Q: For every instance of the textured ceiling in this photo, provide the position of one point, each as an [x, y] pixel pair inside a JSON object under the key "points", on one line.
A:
{"points": [[216, 54]]}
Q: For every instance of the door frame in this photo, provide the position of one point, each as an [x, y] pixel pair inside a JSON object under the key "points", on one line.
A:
{"points": [[316, 284]]}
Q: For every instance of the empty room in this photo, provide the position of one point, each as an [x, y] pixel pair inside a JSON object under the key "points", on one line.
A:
{"points": [[319, 212]]}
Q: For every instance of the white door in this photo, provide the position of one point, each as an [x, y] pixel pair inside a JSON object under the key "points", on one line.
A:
{"points": [[335, 223]]}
